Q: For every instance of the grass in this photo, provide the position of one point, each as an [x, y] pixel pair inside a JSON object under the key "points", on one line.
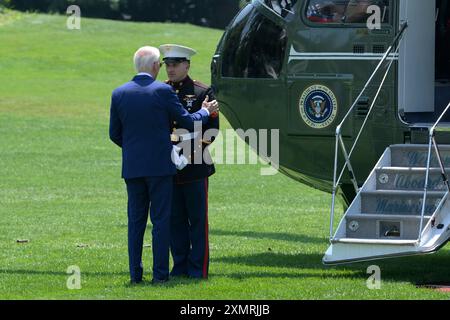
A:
{"points": [[8, 16], [60, 185]]}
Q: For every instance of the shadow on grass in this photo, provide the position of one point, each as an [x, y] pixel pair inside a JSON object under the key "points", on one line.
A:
{"points": [[59, 273], [416, 270], [113, 275], [269, 235], [276, 260], [423, 269]]}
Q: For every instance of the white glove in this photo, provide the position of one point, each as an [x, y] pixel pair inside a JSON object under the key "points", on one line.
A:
{"points": [[179, 161]]}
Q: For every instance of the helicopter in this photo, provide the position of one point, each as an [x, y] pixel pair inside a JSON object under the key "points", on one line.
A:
{"points": [[347, 94]]}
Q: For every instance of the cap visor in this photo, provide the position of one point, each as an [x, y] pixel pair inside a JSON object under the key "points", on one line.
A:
{"points": [[174, 60]]}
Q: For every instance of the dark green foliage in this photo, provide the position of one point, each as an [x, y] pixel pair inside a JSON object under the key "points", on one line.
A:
{"points": [[211, 13], [4, 3]]}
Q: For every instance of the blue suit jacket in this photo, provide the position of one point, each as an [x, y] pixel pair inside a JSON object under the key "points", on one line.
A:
{"points": [[140, 124]]}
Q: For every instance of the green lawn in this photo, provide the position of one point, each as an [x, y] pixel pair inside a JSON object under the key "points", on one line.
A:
{"points": [[60, 185]]}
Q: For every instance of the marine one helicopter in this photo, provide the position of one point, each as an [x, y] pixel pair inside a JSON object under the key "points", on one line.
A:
{"points": [[362, 111]]}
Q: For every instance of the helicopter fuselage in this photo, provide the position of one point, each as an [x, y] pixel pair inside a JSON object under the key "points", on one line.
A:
{"points": [[299, 69]]}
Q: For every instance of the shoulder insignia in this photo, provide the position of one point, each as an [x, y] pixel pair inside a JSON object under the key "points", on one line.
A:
{"points": [[200, 84]]}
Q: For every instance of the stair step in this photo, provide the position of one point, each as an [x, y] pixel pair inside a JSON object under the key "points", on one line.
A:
{"points": [[377, 226], [385, 216], [403, 178], [399, 202], [443, 126], [375, 241], [400, 193], [416, 155]]}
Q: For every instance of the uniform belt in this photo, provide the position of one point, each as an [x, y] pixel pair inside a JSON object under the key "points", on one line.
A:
{"points": [[184, 137]]}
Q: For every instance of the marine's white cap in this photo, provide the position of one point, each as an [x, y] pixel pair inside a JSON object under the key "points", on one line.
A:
{"points": [[174, 52]]}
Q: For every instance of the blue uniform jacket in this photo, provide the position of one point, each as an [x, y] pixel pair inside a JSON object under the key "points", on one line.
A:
{"points": [[191, 94], [141, 113]]}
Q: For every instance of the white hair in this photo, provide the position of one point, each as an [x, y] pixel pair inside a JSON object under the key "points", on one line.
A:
{"points": [[145, 57]]}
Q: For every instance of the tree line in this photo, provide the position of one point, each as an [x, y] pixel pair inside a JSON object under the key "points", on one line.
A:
{"points": [[209, 13]]}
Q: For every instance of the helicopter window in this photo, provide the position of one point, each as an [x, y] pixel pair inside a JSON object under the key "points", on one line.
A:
{"points": [[254, 47], [281, 7], [345, 11]]}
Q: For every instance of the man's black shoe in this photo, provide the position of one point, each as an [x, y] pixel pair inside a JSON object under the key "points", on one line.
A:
{"points": [[135, 282], [159, 281], [179, 275]]}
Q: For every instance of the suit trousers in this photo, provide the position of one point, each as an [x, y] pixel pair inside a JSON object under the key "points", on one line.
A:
{"points": [[154, 194]]}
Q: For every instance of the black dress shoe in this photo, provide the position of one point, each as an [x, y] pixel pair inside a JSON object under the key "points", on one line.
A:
{"points": [[197, 277], [159, 281], [179, 275], [135, 282]]}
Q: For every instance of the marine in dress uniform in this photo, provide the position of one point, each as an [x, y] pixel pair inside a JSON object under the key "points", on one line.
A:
{"points": [[189, 220], [141, 111]]}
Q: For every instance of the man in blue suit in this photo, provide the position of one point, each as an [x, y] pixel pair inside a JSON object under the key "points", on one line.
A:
{"points": [[141, 111]]}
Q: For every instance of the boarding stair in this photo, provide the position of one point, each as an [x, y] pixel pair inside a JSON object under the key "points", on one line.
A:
{"points": [[388, 217], [402, 208]]}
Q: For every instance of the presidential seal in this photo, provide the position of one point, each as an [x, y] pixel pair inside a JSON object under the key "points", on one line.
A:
{"points": [[318, 106]]}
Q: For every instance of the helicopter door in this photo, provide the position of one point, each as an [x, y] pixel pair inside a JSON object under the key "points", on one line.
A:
{"points": [[417, 56]]}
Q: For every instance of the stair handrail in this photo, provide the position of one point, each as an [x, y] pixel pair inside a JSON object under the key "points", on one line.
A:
{"points": [[432, 143], [338, 134]]}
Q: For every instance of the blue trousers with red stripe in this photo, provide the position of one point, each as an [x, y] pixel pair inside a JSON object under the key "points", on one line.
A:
{"points": [[189, 229]]}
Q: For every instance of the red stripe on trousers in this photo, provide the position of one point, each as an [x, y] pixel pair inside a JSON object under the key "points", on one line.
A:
{"points": [[205, 261]]}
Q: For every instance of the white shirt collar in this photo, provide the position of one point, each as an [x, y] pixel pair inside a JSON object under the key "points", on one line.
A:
{"points": [[144, 74]]}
